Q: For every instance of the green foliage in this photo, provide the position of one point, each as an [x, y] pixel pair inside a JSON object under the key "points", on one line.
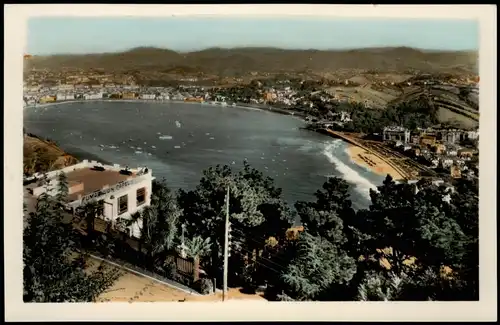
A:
{"points": [[418, 222], [90, 211], [395, 250], [256, 209], [318, 266], [414, 230], [379, 287], [326, 216], [54, 269], [62, 188], [198, 247], [159, 221], [413, 114], [204, 286]]}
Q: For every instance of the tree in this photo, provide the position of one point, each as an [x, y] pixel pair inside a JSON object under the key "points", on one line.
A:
{"points": [[420, 234], [62, 188], [326, 216], [317, 271], [198, 247], [89, 212], [54, 268], [158, 223], [390, 222], [465, 208], [257, 211], [378, 287]]}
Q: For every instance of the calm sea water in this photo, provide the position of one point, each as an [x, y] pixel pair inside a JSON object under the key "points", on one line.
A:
{"points": [[199, 136]]}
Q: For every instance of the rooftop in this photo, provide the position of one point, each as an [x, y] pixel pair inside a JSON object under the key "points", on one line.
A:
{"points": [[94, 180], [395, 129], [86, 177]]}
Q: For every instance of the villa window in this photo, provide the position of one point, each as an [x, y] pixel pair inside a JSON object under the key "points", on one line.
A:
{"points": [[141, 196], [122, 204]]}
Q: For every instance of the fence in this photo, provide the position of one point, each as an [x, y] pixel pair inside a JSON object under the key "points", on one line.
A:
{"points": [[143, 272], [185, 270]]}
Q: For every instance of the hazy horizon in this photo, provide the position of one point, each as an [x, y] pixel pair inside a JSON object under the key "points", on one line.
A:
{"points": [[254, 47], [56, 36]]}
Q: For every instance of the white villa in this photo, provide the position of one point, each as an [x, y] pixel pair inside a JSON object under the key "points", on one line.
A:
{"points": [[123, 191]]}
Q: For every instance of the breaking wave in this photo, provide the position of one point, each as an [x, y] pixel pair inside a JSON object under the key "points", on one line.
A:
{"points": [[362, 184]]}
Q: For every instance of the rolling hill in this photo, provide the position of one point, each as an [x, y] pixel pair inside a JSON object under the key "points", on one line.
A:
{"points": [[452, 106], [237, 61]]}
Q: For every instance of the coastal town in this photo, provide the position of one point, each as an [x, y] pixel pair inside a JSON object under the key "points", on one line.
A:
{"points": [[155, 174], [439, 153]]}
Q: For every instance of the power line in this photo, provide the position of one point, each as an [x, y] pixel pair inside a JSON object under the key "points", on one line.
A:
{"points": [[263, 258], [275, 255], [260, 243], [266, 266]]}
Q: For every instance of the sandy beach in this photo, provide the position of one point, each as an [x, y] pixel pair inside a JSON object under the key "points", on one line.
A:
{"points": [[365, 159]]}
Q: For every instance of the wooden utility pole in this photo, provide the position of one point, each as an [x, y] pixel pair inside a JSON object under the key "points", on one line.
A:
{"points": [[226, 248]]}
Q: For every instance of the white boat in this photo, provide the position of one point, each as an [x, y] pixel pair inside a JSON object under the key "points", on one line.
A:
{"points": [[165, 137]]}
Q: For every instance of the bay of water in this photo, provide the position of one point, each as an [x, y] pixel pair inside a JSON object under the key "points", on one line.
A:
{"points": [[200, 136]]}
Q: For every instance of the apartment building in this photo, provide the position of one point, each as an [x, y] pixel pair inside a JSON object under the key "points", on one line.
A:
{"points": [[129, 95], [66, 87], [92, 96], [396, 133], [147, 96], [47, 99], [64, 96]]}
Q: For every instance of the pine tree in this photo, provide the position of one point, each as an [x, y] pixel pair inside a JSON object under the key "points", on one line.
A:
{"points": [[331, 215], [317, 271]]}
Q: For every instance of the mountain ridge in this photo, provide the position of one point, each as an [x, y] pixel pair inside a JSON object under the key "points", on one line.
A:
{"points": [[242, 60]]}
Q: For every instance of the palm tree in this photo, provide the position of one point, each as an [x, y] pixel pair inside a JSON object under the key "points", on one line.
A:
{"points": [[159, 227], [198, 247], [135, 218], [90, 211]]}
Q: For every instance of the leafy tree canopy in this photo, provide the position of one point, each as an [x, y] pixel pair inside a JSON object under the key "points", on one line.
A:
{"points": [[54, 268]]}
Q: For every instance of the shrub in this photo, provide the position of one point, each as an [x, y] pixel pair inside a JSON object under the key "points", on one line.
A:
{"points": [[204, 286]]}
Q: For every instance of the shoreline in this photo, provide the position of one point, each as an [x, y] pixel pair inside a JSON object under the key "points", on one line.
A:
{"points": [[292, 113], [276, 110], [357, 155], [367, 160]]}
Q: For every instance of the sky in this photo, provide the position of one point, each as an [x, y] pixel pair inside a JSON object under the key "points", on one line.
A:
{"points": [[47, 35]]}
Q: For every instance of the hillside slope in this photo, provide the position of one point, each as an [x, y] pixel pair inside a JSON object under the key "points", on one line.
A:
{"points": [[237, 61], [450, 103]]}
